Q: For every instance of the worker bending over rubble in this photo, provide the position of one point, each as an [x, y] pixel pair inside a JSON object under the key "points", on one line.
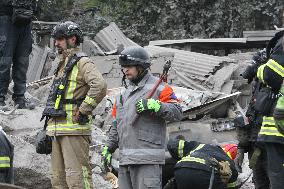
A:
{"points": [[139, 126], [76, 90], [203, 166]]}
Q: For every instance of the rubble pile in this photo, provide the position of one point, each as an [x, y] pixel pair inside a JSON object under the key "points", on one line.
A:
{"points": [[207, 86]]}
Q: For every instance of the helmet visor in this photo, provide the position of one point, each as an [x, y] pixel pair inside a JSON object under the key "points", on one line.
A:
{"points": [[127, 60]]}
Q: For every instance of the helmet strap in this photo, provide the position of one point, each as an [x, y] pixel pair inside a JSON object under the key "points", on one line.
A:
{"points": [[123, 81]]}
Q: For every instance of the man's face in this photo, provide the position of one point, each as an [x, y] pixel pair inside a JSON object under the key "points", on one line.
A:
{"points": [[61, 45], [131, 72]]}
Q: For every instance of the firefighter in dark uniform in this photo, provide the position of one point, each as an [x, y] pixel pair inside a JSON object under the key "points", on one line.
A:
{"points": [[6, 159], [271, 135], [249, 126], [15, 47], [202, 166]]}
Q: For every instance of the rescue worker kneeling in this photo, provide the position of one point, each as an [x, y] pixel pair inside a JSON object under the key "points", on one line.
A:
{"points": [[203, 165]]}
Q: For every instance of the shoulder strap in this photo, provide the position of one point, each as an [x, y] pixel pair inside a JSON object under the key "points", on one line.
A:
{"points": [[73, 60]]}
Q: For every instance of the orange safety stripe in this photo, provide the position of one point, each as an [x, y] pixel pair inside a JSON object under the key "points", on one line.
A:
{"points": [[113, 113]]}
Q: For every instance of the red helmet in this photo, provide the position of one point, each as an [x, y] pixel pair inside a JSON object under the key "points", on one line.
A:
{"points": [[231, 150]]}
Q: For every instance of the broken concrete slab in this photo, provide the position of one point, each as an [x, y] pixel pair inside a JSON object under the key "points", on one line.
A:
{"points": [[38, 59], [111, 37], [199, 131], [91, 48], [105, 63]]}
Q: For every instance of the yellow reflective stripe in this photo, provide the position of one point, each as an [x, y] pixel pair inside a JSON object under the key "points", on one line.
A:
{"points": [[268, 121], [69, 113], [180, 148], [85, 177], [272, 64], [90, 101], [229, 154], [68, 128], [61, 87], [268, 127], [232, 184], [6, 158], [57, 101], [198, 148], [4, 162], [192, 159], [260, 73], [58, 97], [4, 165], [70, 94], [271, 131], [271, 134]]}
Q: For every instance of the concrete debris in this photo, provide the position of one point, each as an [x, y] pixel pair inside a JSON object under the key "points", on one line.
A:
{"points": [[111, 37], [222, 125], [192, 70], [39, 58], [91, 48], [251, 39]]}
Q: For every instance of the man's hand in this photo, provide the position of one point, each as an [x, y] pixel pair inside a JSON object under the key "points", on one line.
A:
{"points": [[106, 155], [82, 119], [77, 114], [148, 104], [239, 159]]}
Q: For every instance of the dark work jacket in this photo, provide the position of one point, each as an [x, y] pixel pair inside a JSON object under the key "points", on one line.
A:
{"points": [[6, 159], [200, 158]]}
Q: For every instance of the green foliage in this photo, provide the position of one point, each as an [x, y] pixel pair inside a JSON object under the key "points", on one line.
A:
{"points": [[55, 10], [174, 19]]}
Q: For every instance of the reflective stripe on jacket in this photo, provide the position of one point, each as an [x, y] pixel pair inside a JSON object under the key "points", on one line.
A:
{"points": [[5, 162], [272, 72], [269, 132], [142, 141], [83, 81]]}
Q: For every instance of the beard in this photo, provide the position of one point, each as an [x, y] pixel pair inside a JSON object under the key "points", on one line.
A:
{"points": [[59, 49]]}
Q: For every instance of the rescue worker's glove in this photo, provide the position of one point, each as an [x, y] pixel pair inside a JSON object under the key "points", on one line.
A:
{"points": [[148, 105], [83, 119], [239, 159], [278, 113], [225, 171], [106, 155]]}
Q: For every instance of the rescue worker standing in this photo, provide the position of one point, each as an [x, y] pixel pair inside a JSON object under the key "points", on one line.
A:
{"points": [[249, 126], [15, 47], [203, 166], [141, 139], [76, 90], [271, 136]]}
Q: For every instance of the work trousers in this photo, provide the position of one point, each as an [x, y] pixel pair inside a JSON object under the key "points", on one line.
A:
{"points": [[260, 175], [275, 164], [189, 178], [15, 48], [70, 163], [140, 176]]}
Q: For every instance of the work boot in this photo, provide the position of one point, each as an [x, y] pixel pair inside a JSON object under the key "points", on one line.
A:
{"points": [[24, 103], [2, 101]]}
